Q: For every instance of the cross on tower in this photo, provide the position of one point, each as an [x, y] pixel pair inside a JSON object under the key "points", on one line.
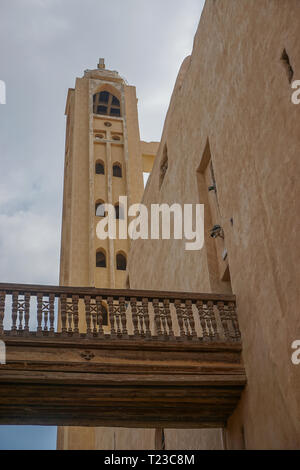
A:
{"points": [[101, 64]]}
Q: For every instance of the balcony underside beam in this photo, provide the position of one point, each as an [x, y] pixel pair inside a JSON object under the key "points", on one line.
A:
{"points": [[140, 384]]}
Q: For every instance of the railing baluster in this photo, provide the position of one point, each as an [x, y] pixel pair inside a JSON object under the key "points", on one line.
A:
{"points": [[75, 300], [45, 313], [39, 314], [70, 316], [21, 314], [27, 313], [210, 306], [168, 318], [214, 322], [223, 318], [203, 323], [145, 305], [186, 326], [235, 323], [63, 314], [93, 316], [99, 308], [189, 309], [2, 311], [15, 298], [52, 314], [142, 323], [95, 319], [118, 325], [157, 318], [87, 302], [164, 324], [123, 316], [208, 322], [133, 305], [111, 311], [179, 318]]}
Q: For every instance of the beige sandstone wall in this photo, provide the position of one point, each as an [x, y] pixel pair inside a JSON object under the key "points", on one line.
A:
{"points": [[232, 102]]}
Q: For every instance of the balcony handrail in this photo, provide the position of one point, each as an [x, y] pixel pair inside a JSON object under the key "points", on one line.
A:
{"points": [[82, 292], [117, 313]]}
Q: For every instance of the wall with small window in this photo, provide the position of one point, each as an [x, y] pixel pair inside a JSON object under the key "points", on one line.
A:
{"points": [[121, 267], [100, 209], [100, 168], [117, 170], [101, 264], [101, 260], [121, 262]]}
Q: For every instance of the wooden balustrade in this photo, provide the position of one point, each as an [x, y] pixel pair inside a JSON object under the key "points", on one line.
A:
{"points": [[154, 316], [103, 357]]}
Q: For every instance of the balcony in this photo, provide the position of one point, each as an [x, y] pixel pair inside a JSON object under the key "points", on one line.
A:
{"points": [[159, 359]]}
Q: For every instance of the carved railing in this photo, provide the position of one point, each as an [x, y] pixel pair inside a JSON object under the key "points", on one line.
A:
{"points": [[46, 311]]}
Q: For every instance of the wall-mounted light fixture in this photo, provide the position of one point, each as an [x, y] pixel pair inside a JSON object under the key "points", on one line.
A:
{"points": [[217, 231]]}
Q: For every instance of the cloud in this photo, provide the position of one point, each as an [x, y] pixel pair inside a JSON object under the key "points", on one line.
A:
{"points": [[29, 246]]}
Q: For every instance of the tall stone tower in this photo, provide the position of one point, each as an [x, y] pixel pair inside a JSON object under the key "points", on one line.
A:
{"points": [[104, 159]]}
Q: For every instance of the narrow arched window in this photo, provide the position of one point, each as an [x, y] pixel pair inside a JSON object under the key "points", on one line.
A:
{"points": [[117, 170], [100, 209], [99, 168], [100, 259], [121, 262], [119, 212], [107, 104]]}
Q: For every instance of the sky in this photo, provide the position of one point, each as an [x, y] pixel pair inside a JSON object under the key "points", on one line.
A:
{"points": [[44, 46]]}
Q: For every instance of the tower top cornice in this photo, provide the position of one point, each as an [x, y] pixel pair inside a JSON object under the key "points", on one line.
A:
{"points": [[101, 73]]}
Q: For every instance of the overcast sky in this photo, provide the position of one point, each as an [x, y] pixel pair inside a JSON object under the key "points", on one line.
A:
{"points": [[44, 46]]}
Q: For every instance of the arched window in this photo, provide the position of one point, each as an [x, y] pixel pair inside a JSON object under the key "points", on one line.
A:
{"points": [[100, 259], [117, 170], [121, 262], [100, 209], [119, 212], [163, 166], [107, 104], [99, 168]]}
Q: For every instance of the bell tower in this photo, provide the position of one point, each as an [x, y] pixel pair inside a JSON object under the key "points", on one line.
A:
{"points": [[104, 159]]}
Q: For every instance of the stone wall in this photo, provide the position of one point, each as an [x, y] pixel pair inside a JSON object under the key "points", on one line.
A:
{"points": [[232, 106]]}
